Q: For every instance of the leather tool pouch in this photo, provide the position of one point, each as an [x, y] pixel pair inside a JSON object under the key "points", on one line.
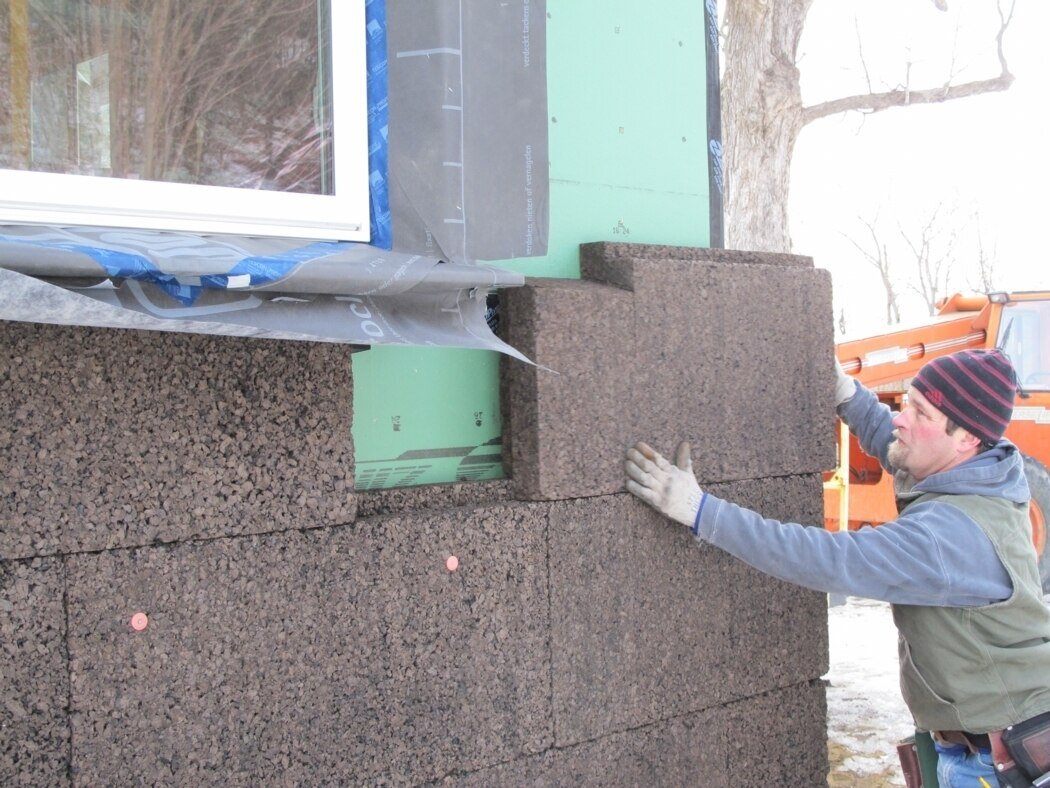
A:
{"points": [[1029, 744], [909, 758]]}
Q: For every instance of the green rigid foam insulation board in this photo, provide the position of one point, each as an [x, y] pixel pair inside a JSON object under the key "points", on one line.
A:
{"points": [[425, 416]]}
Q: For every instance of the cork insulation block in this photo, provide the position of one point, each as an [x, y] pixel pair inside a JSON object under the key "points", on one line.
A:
{"points": [[342, 655], [733, 355], [431, 496], [34, 681], [587, 392], [611, 262], [634, 639], [779, 738], [773, 739], [686, 750], [779, 631], [738, 360], [116, 438], [648, 623]]}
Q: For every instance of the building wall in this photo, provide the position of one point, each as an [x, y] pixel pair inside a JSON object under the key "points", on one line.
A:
{"points": [[304, 633]]}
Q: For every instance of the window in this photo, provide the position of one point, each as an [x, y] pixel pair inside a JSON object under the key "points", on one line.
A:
{"points": [[239, 116], [1023, 336]]}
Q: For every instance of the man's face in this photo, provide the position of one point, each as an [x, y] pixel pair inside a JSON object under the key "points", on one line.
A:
{"points": [[922, 446]]}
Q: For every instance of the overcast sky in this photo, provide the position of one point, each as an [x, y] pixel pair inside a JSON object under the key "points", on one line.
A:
{"points": [[983, 159]]}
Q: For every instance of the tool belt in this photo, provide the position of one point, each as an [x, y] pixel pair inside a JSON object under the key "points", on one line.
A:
{"points": [[971, 741], [1021, 753]]}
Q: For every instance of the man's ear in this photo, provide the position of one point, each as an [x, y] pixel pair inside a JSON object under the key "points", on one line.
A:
{"points": [[966, 440]]}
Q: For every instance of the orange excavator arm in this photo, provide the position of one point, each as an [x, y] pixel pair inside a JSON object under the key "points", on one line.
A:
{"points": [[962, 322]]}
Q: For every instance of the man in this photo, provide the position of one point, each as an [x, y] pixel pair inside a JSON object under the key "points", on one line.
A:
{"points": [[957, 564]]}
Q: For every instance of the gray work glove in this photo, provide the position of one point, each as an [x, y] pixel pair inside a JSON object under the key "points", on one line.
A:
{"points": [[670, 489], [845, 386]]}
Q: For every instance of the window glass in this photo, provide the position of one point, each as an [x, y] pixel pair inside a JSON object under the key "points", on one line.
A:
{"points": [[237, 94], [1024, 336]]}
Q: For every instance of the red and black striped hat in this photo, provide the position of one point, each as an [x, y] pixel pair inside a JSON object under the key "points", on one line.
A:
{"points": [[974, 388]]}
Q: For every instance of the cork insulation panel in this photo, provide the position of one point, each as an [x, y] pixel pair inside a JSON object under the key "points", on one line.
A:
{"points": [[116, 438], [732, 355]]}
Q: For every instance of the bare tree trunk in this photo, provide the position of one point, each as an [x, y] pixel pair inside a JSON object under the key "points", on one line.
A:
{"points": [[18, 68], [762, 117], [119, 55], [155, 120]]}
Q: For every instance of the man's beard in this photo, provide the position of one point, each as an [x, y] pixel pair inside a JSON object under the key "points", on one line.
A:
{"points": [[897, 453]]}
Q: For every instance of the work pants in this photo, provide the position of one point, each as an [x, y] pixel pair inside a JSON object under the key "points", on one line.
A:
{"points": [[957, 767]]}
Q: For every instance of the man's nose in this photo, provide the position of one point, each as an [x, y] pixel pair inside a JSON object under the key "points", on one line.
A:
{"points": [[898, 419]]}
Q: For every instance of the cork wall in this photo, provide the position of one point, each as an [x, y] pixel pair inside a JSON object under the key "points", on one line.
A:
{"points": [[298, 632]]}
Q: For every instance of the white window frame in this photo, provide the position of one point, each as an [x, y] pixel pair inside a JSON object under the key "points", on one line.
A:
{"points": [[53, 198]]}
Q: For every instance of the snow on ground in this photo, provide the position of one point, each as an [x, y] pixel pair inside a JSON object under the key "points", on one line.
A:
{"points": [[866, 715]]}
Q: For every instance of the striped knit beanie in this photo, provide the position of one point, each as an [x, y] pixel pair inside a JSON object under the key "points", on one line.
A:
{"points": [[973, 388]]}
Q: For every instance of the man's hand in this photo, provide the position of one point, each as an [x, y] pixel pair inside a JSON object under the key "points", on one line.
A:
{"points": [[670, 489], [845, 386]]}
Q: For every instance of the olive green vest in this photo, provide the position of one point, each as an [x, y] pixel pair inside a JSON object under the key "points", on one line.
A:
{"points": [[980, 669]]}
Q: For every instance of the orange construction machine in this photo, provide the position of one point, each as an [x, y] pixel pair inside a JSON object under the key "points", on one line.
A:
{"points": [[859, 492]]}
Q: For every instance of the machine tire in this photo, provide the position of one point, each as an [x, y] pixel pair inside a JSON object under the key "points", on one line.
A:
{"points": [[1039, 484]]}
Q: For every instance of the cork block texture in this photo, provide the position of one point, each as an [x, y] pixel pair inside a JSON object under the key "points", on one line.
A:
{"points": [[299, 633], [687, 750], [751, 742], [120, 438], [779, 738], [729, 351], [647, 622], [34, 685], [341, 655], [573, 328]]}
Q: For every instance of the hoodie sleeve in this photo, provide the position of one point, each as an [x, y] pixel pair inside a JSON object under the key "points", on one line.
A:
{"points": [[871, 421], [934, 555]]}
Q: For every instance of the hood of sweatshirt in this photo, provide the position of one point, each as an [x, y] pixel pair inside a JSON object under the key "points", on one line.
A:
{"points": [[997, 472]]}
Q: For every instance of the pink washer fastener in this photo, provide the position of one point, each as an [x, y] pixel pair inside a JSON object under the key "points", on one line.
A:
{"points": [[452, 564], [139, 622]]}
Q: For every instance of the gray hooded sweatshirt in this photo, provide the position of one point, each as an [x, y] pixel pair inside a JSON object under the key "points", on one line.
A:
{"points": [[932, 554]]}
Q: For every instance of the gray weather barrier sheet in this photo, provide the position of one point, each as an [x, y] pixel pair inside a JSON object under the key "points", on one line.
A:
{"points": [[259, 287], [468, 140]]}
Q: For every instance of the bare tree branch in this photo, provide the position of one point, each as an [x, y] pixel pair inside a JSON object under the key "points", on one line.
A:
{"points": [[986, 259], [933, 270], [860, 51], [877, 102], [1004, 22], [880, 260]]}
